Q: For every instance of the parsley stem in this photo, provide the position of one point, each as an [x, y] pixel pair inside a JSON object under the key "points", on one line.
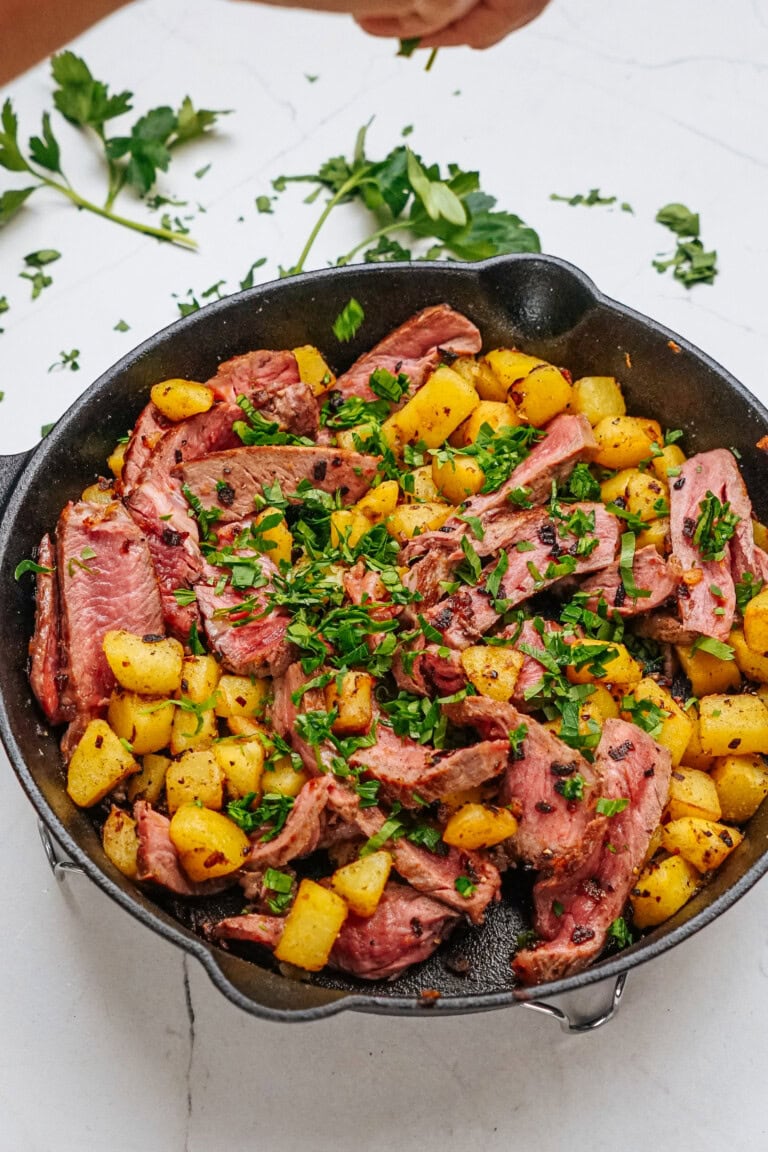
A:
{"points": [[353, 182], [395, 226], [106, 214]]}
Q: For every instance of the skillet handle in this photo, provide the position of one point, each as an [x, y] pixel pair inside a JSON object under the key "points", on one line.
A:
{"points": [[577, 1023], [11, 468]]}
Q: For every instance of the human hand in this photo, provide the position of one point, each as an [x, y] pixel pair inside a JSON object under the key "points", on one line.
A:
{"points": [[476, 24]]}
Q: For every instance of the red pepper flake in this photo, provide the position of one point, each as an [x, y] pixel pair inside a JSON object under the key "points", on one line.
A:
{"points": [[673, 346]]}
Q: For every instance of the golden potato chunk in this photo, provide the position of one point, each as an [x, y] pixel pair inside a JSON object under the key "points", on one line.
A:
{"points": [[354, 703], [479, 826], [282, 777], [311, 927], [625, 441], [676, 728], [707, 673], [97, 494], [703, 843], [200, 678], [422, 487], [192, 730], [121, 842], [208, 844], [541, 395], [490, 414], [150, 667], [99, 763], [362, 882], [480, 376], [458, 478], [693, 755], [509, 367], [493, 671], [242, 762], [692, 793], [656, 534], [350, 438], [742, 785], [149, 783], [348, 526], [380, 502], [619, 666], [277, 538], [737, 724], [433, 413], [313, 369], [750, 664], [116, 459], [598, 398], [663, 887], [409, 520], [180, 399], [195, 776], [242, 696], [756, 623], [144, 721], [667, 462]]}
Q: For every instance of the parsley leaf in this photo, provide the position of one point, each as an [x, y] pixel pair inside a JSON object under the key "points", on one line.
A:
{"points": [[465, 886], [348, 321], [692, 264], [715, 526], [606, 807]]}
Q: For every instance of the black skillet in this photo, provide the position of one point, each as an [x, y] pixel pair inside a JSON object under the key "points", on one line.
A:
{"points": [[539, 303]]}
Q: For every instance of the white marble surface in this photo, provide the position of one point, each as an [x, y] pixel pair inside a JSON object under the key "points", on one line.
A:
{"points": [[110, 1039]]}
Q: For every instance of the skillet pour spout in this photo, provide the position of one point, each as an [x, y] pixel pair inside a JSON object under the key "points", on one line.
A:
{"points": [[538, 303]]}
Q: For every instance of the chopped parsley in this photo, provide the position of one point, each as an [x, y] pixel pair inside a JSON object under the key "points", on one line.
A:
{"points": [[715, 526], [348, 321], [465, 886], [274, 810], [714, 647], [605, 807]]}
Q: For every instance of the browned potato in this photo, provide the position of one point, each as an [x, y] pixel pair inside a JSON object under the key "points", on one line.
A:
{"points": [[479, 826], [144, 721], [311, 927], [362, 882], [150, 667], [196, 776], [121, 842], [208, 843], [661, 890], [354, 703], [99, 763]]}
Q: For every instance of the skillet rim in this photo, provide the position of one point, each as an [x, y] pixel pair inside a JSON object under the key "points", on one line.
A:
{"points": [[647, 948]]}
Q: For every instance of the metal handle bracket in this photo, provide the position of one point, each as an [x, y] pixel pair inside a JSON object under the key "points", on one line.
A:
{"points": [[60, 865], [579, 1026]]}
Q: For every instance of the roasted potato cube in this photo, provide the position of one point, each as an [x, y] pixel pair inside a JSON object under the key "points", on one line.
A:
{"points": [[492, 413], [348, 526], [541, 395], [749, 663], [116, 459], [598, 398], [379, 502], [676, 728], [349, 438], [195, 776], [409, 520], [311, 927], [99, 763], [661, 890], [707, 673], [692, 793], [458, 478], [479, 826], [354, 703], [615, 487], [200, 678], [736, 724], [656, 534], [625, 441], [190, 730], [703, 843], [642, 493], [98, 494], [654, 844], [742, 785], [433, 413], [144, 721], [277, 541], [484, 380], [242, 696], [756, 623], [149, 784], [423, 487], [669, 460], [242, 762], [619, 666], [476, 795], [151, 667], [760, 534], [362, 882], [121, 842], [693, 756], [493, 671], [208, 844], [245, 726], [313, 369], [180, 399], [510, 367], [282, 777]]}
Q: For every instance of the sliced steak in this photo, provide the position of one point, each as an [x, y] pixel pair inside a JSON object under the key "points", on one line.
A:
{"points": [[575, 909], [250, 929], [159, 507], [650, 572], [106, 581], [568, 440], [413, 773], [300, 834], [148, 431], [552, 830], [414, 349], [248, 636], [701, 609], [228, 481], [463, 618], [45, 661], [270, 380], [158, 859], [405, 929], [284, 710], [434, 875], [532, 671], [745, 555]]}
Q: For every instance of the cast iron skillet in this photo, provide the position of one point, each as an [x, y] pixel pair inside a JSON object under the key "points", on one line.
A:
{"points": [[540, 303]]}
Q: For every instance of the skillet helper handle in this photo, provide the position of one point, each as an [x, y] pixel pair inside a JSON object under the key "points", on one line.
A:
{"points": [[11, 468], [59, 863], [575, 1022]]}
